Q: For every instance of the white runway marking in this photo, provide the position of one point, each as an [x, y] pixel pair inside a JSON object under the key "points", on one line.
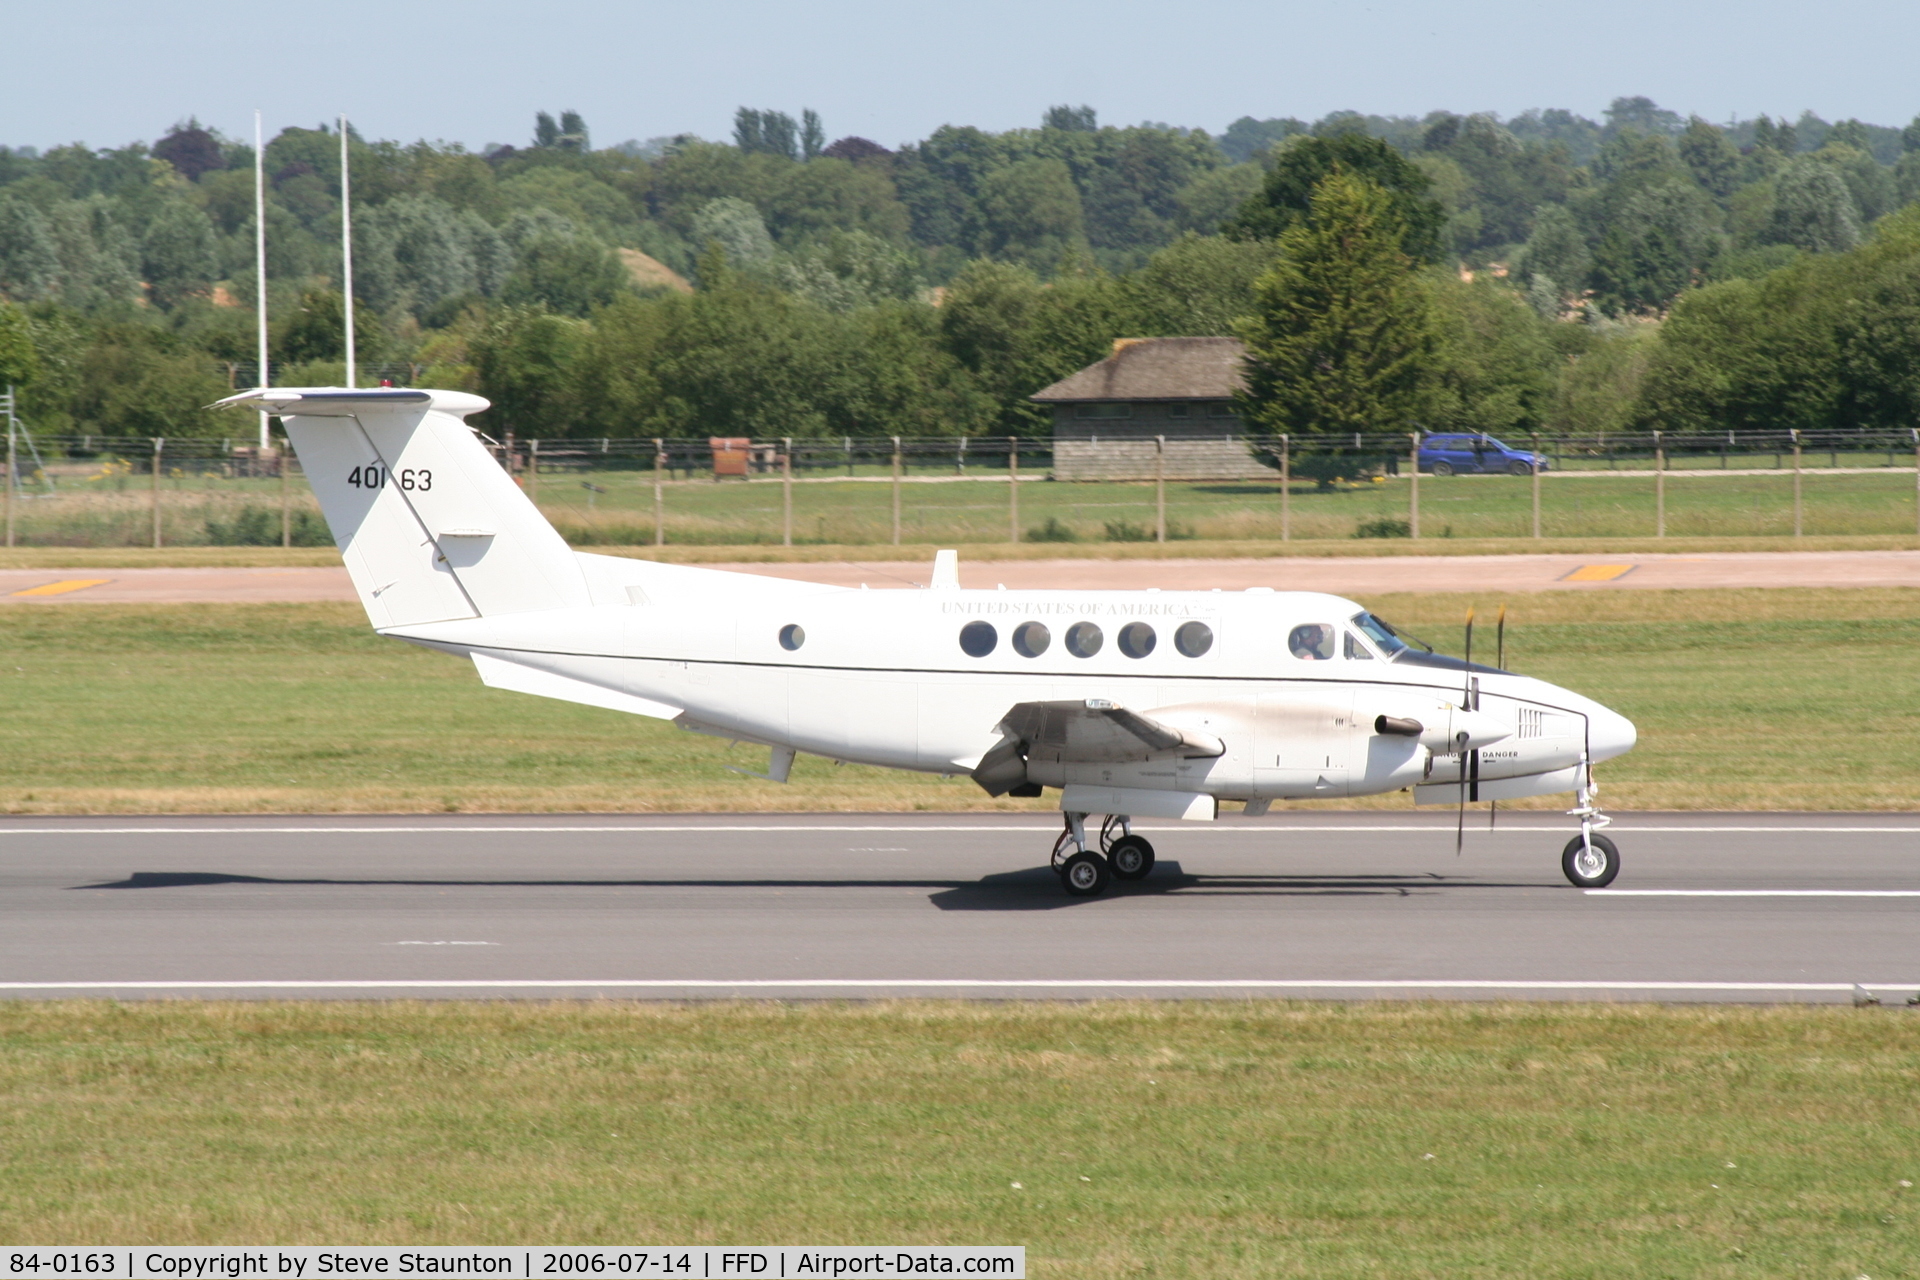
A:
{"points": [[950, 984], [1754, 893], [1228, 826]]}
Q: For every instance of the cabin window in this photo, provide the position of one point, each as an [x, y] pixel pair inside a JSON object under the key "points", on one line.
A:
{"points": [[792, 636], [977, 639], [1193, 639], [1084, 639], [1357, 650], [1030, 639], [1383, 636], [1136, 639], [1311, 642]]}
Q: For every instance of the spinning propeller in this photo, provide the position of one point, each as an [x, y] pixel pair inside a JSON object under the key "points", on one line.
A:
{"points": [[1466, 704]]}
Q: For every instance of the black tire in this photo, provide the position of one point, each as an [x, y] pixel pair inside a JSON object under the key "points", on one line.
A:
{"points": [[1085, 875], [1589, 872], [1519, 469], [1443, 468], [1130, 857]]}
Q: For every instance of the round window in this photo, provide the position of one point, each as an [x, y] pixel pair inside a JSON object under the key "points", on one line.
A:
{"points": [[978, 638], [1193, 639], [1136, 639], [1030, 639], [1083, 639], [792, 636]]}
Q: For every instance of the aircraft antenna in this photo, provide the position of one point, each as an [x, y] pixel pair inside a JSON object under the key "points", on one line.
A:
{"points": [[346, 247], [260, 264], [1500, 661]]}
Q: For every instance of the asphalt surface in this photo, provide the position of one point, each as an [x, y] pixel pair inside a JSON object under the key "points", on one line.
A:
{"points": [[1713, 907], [1341, 575]]}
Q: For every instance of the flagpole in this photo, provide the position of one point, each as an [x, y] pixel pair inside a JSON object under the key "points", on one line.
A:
{"points": [[346, 246], [264, 378]]}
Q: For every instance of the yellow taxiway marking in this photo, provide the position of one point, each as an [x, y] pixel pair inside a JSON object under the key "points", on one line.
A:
{"points": [[1599, 572], [61, 588]]}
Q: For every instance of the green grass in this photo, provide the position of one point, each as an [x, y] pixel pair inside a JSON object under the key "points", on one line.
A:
{"points": [[1787, 699], [1171, 1139]]}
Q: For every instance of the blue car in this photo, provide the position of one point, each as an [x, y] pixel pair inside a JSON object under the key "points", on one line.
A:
{"points": [[1466, 455]]}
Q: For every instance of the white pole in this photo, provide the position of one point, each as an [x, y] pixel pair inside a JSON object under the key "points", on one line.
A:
{"points": [[263, 378], [346, 246]]}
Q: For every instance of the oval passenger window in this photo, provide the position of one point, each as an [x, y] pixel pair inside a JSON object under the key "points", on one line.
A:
{"points": [[977, 639], [1137, 639], [1030, 639], [1193, 638], [792, 636], [1084, 639]]}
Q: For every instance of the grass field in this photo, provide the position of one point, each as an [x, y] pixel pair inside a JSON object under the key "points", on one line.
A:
{"points": [[1172, 1139], [1785, 699], [618, 510]]}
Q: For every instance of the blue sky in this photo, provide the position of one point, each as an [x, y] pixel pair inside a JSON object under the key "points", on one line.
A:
{"points": [[110, 73]]}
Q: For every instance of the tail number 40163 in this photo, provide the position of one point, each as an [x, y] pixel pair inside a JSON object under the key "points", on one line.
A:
{"points": [[377, 477]]}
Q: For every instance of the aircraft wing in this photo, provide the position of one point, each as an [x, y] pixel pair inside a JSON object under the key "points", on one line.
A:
{"points": [[1097, 731]]}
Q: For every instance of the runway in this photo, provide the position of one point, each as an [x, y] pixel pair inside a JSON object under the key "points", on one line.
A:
{"points": [[1344, 575], [1710, 907]]}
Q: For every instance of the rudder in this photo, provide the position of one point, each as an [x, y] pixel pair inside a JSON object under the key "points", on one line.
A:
{"points": [[431, 528]]}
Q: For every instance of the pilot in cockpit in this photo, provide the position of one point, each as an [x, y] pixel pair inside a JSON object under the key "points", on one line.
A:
{"points": [[1311, 642]]}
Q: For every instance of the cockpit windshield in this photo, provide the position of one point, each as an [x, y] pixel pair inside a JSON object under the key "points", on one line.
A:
{"points": [[1384, 637]]}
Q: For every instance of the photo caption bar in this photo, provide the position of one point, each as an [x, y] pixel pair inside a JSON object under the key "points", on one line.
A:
{"points": [[515, 1262]]}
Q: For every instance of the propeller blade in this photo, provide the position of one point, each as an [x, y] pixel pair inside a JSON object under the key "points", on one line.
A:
{"points": [[1500, 639], [1466, 704]]}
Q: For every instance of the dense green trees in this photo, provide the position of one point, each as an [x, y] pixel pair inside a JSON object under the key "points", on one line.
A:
{"points": [[1553, 271]]}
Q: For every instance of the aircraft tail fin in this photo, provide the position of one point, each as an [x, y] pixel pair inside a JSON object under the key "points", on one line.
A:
{"points": [[430, 526]]}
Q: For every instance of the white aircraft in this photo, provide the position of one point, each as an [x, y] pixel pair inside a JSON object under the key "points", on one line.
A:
{"points": [[1133, 704]]}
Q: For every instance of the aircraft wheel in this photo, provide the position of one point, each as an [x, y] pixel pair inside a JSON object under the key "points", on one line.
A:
{"points": [[1131, 857], [1443, 468], [1590, 867], [1085, 874]]}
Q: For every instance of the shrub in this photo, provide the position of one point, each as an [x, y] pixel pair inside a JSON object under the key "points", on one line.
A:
{"points": [[1385, 527], [1053, 531], [258, 527]]}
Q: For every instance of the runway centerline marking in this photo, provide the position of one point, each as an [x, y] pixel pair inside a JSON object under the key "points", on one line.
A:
{"points": [[1753, 893], [1051, 984]]}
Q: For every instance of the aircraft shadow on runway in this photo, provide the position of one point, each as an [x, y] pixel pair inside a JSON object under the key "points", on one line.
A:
{"points": [[1030, 889]]}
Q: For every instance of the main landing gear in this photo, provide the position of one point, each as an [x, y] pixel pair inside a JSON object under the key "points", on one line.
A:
{"points": [[1590, 860], [1086, 872]]}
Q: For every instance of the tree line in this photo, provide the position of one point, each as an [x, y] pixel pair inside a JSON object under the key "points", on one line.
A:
{"points": [[1542, 272]]}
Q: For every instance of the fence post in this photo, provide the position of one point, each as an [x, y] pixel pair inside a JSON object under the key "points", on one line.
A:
{"points": [[1160, 489], [896, 491], [533, 471], [786, 491], [1797, 522], [659, 497], [1286, 488], [1013, 485], [1659, 488], [286, 498], [1413, 489], [1916, 482], [159, 444], [1536, 484], [12, 457]]}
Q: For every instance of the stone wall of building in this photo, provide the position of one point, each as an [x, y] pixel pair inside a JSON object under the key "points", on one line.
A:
{"points": [[1216, 458]]}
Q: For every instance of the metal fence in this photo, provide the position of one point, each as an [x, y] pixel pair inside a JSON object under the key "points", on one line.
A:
{"points": [[98, 490]]}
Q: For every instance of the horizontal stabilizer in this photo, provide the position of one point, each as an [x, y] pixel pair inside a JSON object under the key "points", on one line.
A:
{"points": [[498, 673]]}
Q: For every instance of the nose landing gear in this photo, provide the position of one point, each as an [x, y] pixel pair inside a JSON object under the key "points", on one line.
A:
{"points": [[1086, 872], [1590, 860]]}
